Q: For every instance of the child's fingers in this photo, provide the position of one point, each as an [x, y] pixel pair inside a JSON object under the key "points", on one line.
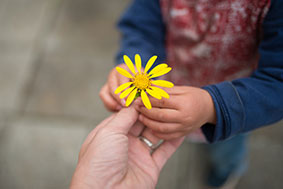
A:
{"points": [[171, 102], [122, 80], [162, 115], [109, 102], [159, 126], [176, 90], [113, 84], [169, 136], [160, 103], [115, 80]]}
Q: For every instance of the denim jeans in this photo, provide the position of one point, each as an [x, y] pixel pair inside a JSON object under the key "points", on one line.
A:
{"points": [[227, 158]]}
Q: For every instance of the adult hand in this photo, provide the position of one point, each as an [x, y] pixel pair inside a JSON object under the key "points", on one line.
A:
{"points": [[113, 156], [187, 109], [111, 100]]}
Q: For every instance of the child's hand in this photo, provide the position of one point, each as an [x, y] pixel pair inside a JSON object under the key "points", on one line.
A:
{"points": [[187, 109], [111, 100]]}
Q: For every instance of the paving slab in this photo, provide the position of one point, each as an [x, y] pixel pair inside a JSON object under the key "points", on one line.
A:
{"points": [[266, 152], [78, 55], [40, 152], [23, 23], [69, 87], [86, 27], [3, 121], [185, 169], [176, 168], [75, 49], [21, 19], [15, 72]]}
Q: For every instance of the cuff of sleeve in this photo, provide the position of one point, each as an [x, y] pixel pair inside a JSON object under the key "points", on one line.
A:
{"points": [[229, 112]]}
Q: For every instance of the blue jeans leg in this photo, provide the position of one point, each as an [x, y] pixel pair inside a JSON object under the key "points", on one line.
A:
{"points": [[227, 158]]}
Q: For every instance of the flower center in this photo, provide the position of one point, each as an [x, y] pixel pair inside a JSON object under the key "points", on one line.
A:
{"points": [[141, 81]]}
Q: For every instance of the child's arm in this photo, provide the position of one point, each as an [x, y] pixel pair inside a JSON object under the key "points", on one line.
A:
{"points": [[187, 109], [240, 106], [249, 103], [142, 31]]}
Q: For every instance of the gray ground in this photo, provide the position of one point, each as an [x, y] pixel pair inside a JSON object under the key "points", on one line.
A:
{"points": [[54, 57]]}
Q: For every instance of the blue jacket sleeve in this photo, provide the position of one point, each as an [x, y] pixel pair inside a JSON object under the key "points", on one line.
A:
{"points": [[143, 31], [246, 104]]}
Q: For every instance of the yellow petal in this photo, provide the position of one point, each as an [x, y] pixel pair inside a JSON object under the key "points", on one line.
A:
{"points": [[162, 72], [129, 63], [162, 83], [153, 93], [159, 91], [138, 62], [145, 100], [122, 87], [126, 92], [131, 97], [124, 72], [158, 68], [149, 63]]}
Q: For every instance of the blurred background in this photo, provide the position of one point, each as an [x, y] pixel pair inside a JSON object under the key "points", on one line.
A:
{"points": [[54, 57]]}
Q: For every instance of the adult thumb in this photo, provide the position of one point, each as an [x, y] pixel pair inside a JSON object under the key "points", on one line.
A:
{"points": [[123, 121]]}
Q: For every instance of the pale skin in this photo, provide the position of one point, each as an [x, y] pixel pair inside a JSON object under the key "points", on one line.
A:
{"points": [[113, 156], [187, 109]]}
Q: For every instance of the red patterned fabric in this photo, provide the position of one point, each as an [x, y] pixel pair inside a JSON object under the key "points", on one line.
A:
{"points": [[209, 41]]}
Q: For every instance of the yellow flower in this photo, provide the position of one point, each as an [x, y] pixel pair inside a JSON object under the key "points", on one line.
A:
{"points": [[141, 82]]}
